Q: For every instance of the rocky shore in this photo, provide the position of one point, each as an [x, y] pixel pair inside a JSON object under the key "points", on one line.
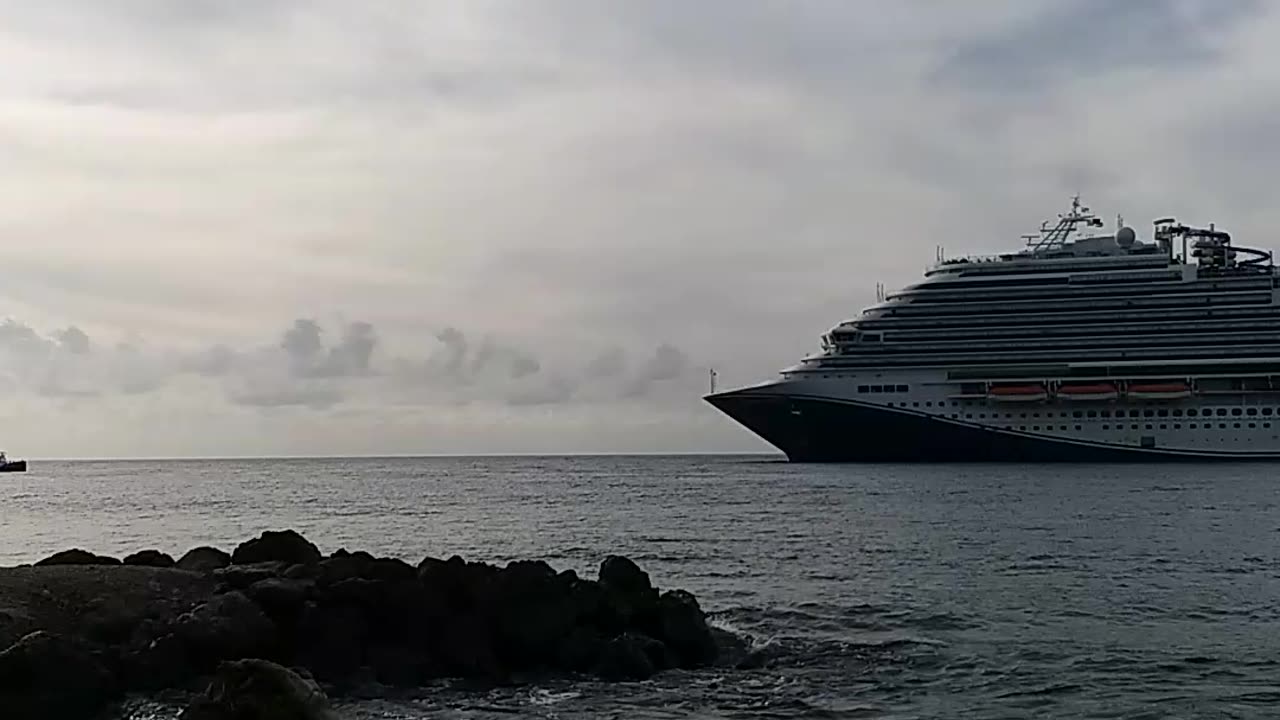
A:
{"points": [[79, 631]]}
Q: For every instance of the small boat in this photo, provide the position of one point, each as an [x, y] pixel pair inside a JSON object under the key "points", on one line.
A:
{"points": [[1094, 391], [7, 465], [1017, 393], [1159, 390]]}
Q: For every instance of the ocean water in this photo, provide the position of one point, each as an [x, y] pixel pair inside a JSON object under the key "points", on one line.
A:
{"points": [[877, 591]]}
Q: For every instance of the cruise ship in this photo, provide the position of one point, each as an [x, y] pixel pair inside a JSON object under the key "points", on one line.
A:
{"points": [[1086, 345]]}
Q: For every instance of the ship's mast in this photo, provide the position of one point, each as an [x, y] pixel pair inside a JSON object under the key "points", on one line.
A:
{"points": [[1057, 236]]}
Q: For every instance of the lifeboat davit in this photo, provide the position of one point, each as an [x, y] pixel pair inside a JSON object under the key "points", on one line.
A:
{"points": [[1094, 391], [1017, 393], [1159, 390]]}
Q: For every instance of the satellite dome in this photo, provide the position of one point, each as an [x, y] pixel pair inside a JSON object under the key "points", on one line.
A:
{"points": [[1125, 237]]}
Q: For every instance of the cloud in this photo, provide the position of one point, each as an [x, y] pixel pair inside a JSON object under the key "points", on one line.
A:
{"points": [[434, 218], [1091, 38]]}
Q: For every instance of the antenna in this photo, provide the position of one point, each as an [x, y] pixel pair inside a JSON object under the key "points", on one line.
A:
{"points": [[713, 381]]}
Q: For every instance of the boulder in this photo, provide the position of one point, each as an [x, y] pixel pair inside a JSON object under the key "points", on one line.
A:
{"points": [[76, 556], [285, 546], [240, 577], [629, 657], [204, 559], [257, 689], [227, 627], [45, 675], [331, 640], [282, 600], [684, 630], [150, 558], [622, 575], [531, 611]]}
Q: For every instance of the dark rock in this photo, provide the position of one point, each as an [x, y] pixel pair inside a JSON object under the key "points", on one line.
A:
{"points": [[532, 613], [400, 666], [363, 565], [731, 649], [277, 546], [160, 663], [77, 556], [110, 621], [45, 675], [622, 575], [629, 657], [150, 558], [685, 631], [465, 648], [301, 572], [227, 627], [580, 650], [282, 600], [331, 640], [240, 577], [204, 559], [257, 689]]}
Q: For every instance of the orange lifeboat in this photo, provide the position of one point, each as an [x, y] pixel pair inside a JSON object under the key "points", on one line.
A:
{"points": [[1159, 390], [1091, 391], [1017, 393]]}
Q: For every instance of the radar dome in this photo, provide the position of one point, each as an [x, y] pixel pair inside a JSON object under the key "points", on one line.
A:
{"points": [[1125, 237]]}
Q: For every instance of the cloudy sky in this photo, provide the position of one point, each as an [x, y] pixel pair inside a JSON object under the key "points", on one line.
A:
{"points": [[329, 227]]}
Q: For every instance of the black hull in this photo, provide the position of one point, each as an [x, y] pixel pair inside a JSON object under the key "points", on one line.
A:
{"points": [[16, 466], [814, 429]]}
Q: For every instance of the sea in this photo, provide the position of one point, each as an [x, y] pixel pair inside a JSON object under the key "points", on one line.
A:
{"points": [[872, 591]]}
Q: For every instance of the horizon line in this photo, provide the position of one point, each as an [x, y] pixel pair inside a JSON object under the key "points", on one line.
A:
{"points": [[405, 456]]}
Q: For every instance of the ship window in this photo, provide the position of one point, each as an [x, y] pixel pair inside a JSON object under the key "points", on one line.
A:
{"points": [[1164, 427], [1236, 424], [915, 404], [1251, 411], [1024, 414], [1222, 411], [1148, 427], [1266, 425], [1075, 414], [1133, 413], [1077, 427], [1035, 414], [1191, 412], [876, 389], [1037, 427], [1162, 413], [1062, 427], [1193, 426], [902, 388], [864, 388], [1235, 411], [1133, 427], [928, 403], [1177, 426], [1266, 411], [1104, 413], [1092, 413], [1177, 413], [1106, 427], [1222, 426], [968, 416], [1148, 413], [1253, 425]]}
